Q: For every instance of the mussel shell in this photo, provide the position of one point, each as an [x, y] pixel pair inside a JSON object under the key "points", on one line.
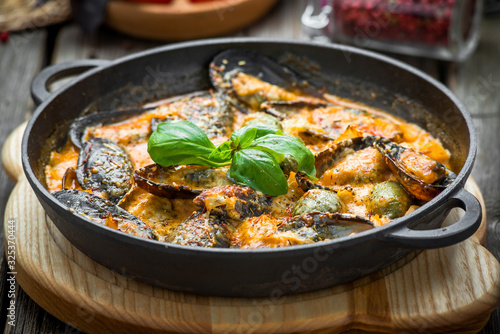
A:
{"points": [[201, 229], [420, 190], [69, 180], [105, 168], [234, 202], [208, 110], [179, 181], [224, 66], [79, 125], [319, 226], [326, 159], [155, 121], [99, 210]]}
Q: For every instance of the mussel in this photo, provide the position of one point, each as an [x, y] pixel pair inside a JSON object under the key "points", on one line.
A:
{"points": [[206, 109], [77, 129], [180, 181], [320, 226], [103, 212], [105, 168], [250, 79], [328, 158], [201, 229], [234, 202], [422, 177], [223, 209]]}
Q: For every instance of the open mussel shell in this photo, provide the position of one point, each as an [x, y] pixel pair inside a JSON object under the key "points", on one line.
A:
{"points": [[208, 110], [222, 208], [174, 117], [78, 128], [180, 181], [103, 212], [105, 168], [328, 158], [320, 226], [234, 202], [226, 65], [324, 160], [399, 164]]}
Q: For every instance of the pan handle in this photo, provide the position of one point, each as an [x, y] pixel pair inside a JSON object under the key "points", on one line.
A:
{"points": [[444, 236], [50, 74]]}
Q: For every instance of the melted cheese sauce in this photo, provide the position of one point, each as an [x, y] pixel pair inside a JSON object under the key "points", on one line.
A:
{"points": [[58, 164], [353, 177]]}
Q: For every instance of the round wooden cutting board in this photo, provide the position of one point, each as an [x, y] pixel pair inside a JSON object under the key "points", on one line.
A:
{"points": [[452, 289], [184, 19]]}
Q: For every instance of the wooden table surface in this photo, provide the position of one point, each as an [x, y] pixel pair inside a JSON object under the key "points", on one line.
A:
{"points": [[475, 81]]}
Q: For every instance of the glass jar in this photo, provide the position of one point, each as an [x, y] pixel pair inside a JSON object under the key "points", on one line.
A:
{"points": [[443, 29]]}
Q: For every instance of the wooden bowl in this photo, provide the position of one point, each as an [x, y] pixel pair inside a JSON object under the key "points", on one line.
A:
{"points": [[183, 19]]}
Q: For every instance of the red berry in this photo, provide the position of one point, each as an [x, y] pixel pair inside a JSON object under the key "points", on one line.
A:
{"points": [[4, 36]]}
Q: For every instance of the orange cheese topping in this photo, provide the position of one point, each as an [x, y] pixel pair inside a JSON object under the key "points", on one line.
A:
{"points": [[365, 166], [263, 231], [423, 169], [58, 164]]}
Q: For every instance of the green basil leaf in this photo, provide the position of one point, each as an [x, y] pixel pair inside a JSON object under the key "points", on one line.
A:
{"points": [[292, 146], [235, 140], [259, 171], [261, 131], [277, 156], [180, 143], [223, 153], [247, 137]]}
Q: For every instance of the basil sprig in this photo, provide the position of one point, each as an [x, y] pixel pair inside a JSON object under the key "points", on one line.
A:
{"points": [[254, 153]]}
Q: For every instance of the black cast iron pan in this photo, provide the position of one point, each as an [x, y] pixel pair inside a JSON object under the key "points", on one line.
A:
{"points": [[180, 68]]}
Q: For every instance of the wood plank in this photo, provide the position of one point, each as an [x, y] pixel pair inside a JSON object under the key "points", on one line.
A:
{"points": [[72, 43], [20, 59], [477, 83], [282, 22]]}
